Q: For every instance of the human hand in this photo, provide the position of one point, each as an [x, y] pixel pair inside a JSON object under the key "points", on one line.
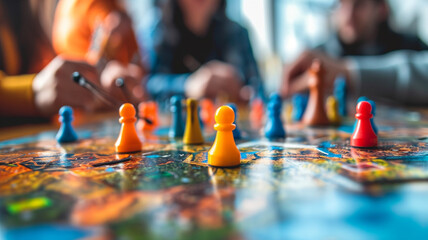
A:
{"points": [[133, 76], [296, 76], [53, 87], [213, 79]]}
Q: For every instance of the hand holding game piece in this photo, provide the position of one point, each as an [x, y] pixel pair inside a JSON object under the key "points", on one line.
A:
{"points": [[128, 140], [192, 132], [212, 80], [131, 88], [274, 128], [363, 136], [177, 126], [66, 133], [224, 152], [296, 76], [333, 111], [236, 131], [51, 90], [315, 113]]}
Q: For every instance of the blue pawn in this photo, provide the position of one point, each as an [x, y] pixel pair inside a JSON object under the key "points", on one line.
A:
{"points": [[66, 132], [274, 97], [274, 128], [236, 132], [201, 123], [177, 125], [374, 114], [300, 101], [373, 104], [340, 92]]}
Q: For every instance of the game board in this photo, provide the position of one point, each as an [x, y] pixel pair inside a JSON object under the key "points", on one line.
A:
{"points": [[311, 186]]}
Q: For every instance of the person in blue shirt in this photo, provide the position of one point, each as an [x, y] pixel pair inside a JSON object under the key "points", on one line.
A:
{"points": [[197, 51]]}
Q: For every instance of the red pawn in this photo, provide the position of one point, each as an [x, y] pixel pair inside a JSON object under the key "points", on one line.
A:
{"points": [[364, 136]]}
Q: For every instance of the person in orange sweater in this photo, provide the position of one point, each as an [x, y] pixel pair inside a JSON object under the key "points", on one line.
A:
{"points": [[32, 80], [99, 32]]}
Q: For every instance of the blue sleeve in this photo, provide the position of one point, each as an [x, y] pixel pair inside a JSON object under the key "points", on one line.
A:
{"points": [[164, 85]]}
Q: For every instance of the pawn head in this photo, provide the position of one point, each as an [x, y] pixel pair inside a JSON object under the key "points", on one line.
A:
{"points": [[332, 102], [274, 97], [224, 115], [364, 108], [192, 103], [175, 100], [127, 110], [66, 113]]}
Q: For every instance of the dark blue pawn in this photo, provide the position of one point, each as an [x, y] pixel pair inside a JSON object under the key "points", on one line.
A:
{"points": [[236, 132], [300, 101], [274, 97], [66, 132], [177, 125], [274, 128], [340, 92]]}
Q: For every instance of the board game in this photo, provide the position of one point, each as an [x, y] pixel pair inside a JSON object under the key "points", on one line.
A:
{"points": [[310, 186]]}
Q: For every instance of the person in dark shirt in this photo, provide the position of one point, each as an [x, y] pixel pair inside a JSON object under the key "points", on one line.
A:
{"points": [[198, 52], [362, 29]]}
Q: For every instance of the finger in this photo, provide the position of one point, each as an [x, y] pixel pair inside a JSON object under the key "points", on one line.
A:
{"points": [[298, 84]]}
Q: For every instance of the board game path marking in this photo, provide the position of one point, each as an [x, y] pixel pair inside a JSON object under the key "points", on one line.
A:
{"points": [[129, 157]]}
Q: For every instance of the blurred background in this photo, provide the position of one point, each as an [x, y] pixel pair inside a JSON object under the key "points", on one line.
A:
{"points": [[281, 29]]}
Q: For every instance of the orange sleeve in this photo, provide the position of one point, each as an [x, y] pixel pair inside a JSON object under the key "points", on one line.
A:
{"points": [[16, 95], [79, 33], [74, 23]]}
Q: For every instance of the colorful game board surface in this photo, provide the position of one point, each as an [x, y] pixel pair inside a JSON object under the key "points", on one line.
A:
{"points": [[313, 185]]}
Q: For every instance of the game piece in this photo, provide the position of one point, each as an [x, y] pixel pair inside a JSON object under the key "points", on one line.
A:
{"points": [[274, 128], [333, 110], [288, 112], [256, 113], [207, 111], [315, 113], [373, 104], [128, 140], [192, 132], [224, 152], [148, 116], [236, 131], [66, 132], [177, 126], [363, 136], [300, 101], [340, 92]]}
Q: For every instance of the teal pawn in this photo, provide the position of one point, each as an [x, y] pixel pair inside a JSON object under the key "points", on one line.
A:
{"points": [[236, 132], [66, 132], [177, 126], [274, 128]]}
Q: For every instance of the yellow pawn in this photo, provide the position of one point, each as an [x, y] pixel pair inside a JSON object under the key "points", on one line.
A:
{"points": [[333, 111], [192, 133], [224, 152]]}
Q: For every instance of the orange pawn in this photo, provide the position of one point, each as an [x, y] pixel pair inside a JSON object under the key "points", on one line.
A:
{"points": [[128, 140], [148, 116], [224, 152], [315, 114], [207, 111]]}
